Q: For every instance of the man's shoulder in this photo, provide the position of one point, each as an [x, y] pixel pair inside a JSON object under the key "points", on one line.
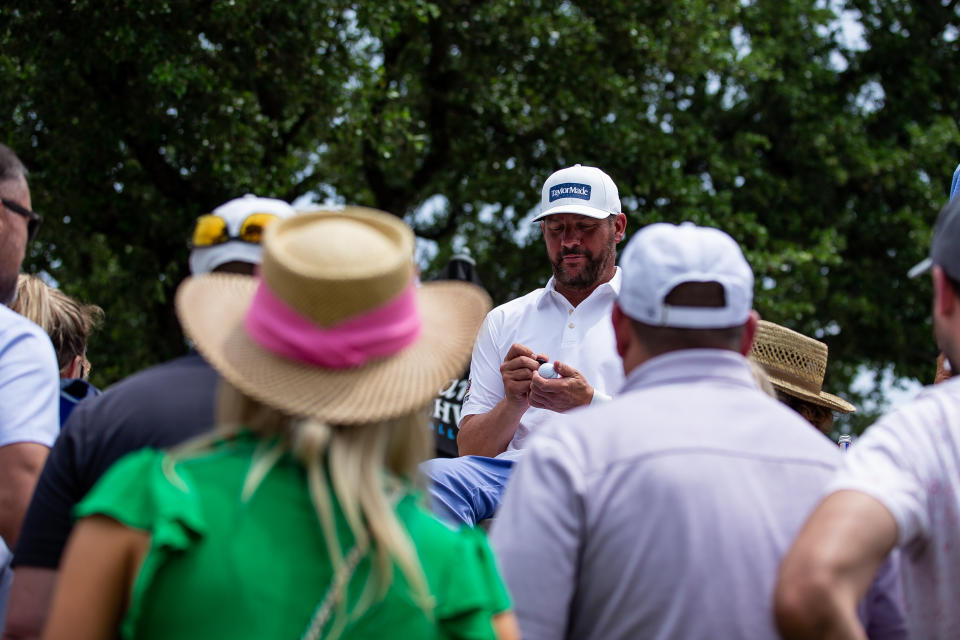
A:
{"points": [[179, 387], [662, 418], [179, 372], [929, 419], [28, 352], [14, 327], [521, 304]]}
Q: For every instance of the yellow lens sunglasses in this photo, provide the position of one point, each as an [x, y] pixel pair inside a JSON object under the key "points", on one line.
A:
{"points": [[211, 229]]}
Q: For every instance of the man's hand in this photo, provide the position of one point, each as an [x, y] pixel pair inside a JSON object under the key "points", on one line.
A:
{"points": [[517, 372], [489, 434], [570, 390]]}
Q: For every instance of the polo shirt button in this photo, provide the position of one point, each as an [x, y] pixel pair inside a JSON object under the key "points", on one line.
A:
{"points": [[570, 312], [571, 325]]}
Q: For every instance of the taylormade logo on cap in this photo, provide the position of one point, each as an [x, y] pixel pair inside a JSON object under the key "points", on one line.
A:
{"points": [[570, 190], [580, 190]]}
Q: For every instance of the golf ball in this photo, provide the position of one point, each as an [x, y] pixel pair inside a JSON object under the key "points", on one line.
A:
{"points": [[546, 370]]}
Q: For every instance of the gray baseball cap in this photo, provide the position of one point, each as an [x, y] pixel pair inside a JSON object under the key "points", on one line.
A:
{"points": [[945, 247]]}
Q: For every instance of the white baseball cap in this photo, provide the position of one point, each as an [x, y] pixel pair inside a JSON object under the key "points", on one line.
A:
{"points": [[204, 259], [661, 256], [586, 191]]}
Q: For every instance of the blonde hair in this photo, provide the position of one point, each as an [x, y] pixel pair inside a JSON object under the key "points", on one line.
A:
{"points": [[68, 322], [761, 378], [356, 457]]}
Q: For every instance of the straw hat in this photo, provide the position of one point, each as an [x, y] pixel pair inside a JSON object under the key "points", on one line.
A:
{"points": [[334, 328], [795, 365]]}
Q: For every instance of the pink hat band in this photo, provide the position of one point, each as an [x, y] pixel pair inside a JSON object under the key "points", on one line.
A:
{"points": [[379, 332]]}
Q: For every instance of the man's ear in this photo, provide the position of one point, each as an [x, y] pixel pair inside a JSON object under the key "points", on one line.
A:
{"points": [[73, 369], [749, 332], [622, 330], [619, 227], [944, 297]]}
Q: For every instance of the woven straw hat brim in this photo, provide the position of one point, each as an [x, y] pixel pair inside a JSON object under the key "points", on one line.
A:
{"points": [[823, 399], [212, 308]]}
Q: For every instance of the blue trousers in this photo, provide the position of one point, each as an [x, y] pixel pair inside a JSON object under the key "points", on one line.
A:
{"points": [[468, 489]]}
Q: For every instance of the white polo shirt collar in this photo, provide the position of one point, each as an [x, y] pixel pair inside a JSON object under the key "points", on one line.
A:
{"points": [[550, 293], [691, 365]]}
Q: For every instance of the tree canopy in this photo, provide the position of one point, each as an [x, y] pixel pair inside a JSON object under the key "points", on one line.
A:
{"points": [[821, 135]]}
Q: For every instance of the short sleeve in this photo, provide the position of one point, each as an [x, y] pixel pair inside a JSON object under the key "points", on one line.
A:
{"points": [[29, 384], [486, 385], [473, 591], [143, 491], [890, 464]]}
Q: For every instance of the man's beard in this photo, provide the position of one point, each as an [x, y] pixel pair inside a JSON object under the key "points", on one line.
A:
{"points": [[589, 273]]}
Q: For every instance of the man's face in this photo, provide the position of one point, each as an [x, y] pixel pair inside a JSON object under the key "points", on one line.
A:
{"points": [[13, 237], [581, 249]]}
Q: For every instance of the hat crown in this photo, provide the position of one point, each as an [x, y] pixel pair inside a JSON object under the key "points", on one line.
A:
{"points": [[662, 256], [789, 355], [338, 247], [579, 190], [333, 265]]}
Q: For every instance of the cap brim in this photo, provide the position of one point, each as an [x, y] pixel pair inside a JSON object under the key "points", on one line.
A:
{"points": [[206, 259], [579, 209], [212, 308], [921, 267]]}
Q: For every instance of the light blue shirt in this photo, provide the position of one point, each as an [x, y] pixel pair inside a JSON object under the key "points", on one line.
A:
{"points": [[663, 513], [29, 382]]}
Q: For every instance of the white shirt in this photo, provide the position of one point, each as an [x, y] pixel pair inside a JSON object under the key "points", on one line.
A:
{"points": [[545, 321], [29, 382], [910, 461], [663, 513]]}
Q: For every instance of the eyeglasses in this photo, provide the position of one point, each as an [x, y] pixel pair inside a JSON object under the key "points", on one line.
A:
{"points": [[211, 229], [33, 220]]}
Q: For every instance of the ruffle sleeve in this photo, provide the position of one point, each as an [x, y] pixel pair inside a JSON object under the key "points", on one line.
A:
{"points": [[473, 591], [144, 490]]}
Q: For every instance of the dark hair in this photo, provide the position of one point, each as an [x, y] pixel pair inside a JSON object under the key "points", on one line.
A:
{"points": [[811, 411], [10, 166], [658, 340]]}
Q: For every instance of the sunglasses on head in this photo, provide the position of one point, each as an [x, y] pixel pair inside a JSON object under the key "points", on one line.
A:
{"points": [[33, 220], [211, 229]]}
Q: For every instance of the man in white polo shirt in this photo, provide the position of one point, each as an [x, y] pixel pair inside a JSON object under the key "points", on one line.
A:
{"points": [[664, 513], [566, 323], [899, 489]]}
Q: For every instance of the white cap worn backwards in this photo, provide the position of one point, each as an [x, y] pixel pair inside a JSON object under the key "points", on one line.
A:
{"points": [[234, 212], [661, 256]]}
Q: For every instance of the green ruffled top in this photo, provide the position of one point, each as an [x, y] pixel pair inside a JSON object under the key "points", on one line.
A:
{"points": [[222, 567]]}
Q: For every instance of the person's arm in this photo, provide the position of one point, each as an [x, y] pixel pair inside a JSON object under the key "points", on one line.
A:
{"points": [[29, 420], [20, 466], [29, 601], [831, 565], [99, 566], [44, 534], [489, 433], [505, 626]]}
